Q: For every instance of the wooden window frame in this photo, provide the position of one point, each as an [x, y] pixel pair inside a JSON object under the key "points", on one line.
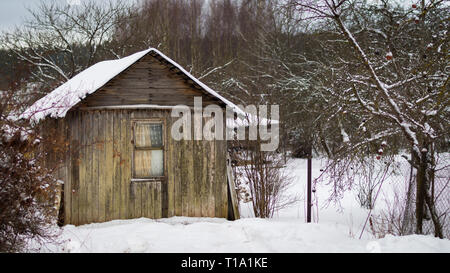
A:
{"points": [[134, 148]]}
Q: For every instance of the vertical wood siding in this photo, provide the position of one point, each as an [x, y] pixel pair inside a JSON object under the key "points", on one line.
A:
{"points": [[98, 167]]}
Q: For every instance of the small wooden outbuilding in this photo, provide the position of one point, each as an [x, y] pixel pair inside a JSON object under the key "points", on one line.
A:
{"points": [[121, 161]]}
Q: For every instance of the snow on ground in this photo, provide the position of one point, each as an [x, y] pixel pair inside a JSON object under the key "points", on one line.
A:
{"points": [[337, 230], [183, 234]]}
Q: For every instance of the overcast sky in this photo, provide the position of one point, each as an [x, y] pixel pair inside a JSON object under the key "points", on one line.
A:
{"points": [[13, 12]]}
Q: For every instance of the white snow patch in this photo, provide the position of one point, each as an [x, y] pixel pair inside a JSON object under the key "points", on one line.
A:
{"points": [[184, 234], [337, 230]]}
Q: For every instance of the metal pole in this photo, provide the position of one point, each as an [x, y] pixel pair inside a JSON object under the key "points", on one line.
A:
{"points": [[308, 209]]}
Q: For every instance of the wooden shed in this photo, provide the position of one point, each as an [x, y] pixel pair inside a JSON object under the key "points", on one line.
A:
{"points": [[121, 161]]}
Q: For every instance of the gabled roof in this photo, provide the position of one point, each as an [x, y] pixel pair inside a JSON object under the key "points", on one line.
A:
{"points": [[58, 102]]}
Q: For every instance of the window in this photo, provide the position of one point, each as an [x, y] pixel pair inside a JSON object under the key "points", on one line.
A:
{"points": [[148, 150]]}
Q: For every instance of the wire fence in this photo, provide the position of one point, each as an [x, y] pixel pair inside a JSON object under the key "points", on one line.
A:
{"points": [[440, 194], [396, 210], [401, 214]]}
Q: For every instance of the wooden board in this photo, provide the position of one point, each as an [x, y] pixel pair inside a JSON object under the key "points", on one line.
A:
{"points": [[100, 171], [232, 191], [148, 81]]}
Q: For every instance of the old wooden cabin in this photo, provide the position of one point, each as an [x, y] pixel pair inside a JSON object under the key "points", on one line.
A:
{"points": [[120, 161]]}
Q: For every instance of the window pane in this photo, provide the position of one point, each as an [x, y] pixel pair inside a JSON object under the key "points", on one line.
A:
{"points": [[148, 163], [142, 163], [148, 135], [157, 163], [156, 135]]}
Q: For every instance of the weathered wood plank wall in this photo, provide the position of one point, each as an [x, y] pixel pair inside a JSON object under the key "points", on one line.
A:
{"points": [[148, 81], [98, 171]]}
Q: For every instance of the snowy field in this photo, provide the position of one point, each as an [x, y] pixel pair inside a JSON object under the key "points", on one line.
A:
{"points": [[337, 229]]}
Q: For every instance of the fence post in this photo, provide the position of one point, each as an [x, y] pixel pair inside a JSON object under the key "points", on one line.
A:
{"points": [[309, 205]]}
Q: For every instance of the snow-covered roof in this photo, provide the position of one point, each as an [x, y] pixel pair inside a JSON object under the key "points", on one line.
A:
{"points": [[58, 102]]}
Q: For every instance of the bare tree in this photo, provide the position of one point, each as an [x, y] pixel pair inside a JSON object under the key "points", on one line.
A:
{"points": [[59, 41], [388, 79], [263, 177]]}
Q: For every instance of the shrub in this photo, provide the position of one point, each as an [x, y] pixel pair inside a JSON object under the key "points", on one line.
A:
{"points": [[28, 190]]}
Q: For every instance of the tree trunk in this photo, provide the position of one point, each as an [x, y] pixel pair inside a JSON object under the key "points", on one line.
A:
{"points": [[434, 216], [424, 201], [408, 218], [420, 190]]}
